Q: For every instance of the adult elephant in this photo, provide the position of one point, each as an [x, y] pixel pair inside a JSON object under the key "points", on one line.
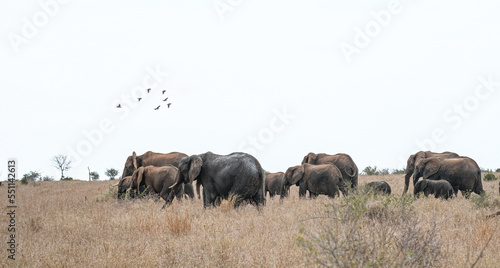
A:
{"points": [[343, 162], [149, 158], [275, 184], [462, 173], [410, 163], [238, 175], [160, 180], [317, 179]]}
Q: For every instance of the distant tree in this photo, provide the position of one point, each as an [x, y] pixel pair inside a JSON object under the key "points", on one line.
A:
{"points": [[62, 163], [67, 179], [47, 178], [487, 170], [31, 176], [497, 170], [384, 171], [399, 171], [370, 170], [111, 173], [94, 175]]}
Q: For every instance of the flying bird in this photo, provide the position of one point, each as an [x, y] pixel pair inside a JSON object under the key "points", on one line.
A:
{"points": [[168, 105], [165, 99], [139, 99], [149, 89], [157, 107], [119, 106], [163, 92]]}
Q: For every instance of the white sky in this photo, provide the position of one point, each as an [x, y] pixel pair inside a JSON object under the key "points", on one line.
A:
{"points": [[230, 75]]}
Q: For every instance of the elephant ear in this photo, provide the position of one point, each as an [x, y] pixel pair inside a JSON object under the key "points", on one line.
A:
{"points": [[297, 173], [134, 160], [432, 167], [410, 164], [140, 176], [310, 158], [194, 167]]}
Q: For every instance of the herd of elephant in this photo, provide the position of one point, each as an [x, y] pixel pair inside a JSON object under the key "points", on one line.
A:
{"points": [[241, 177]]}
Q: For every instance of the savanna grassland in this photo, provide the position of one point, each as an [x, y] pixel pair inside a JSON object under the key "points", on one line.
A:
{"points": [[79, 224]]}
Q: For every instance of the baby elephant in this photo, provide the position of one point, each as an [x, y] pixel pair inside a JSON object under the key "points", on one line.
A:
{"points": [[440, 188], [380, 187], [274, 184], [159, 180]]}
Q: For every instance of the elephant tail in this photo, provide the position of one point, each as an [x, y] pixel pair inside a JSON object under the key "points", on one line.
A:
{"points": [[347, 168], [478, 185], [262, 175]]}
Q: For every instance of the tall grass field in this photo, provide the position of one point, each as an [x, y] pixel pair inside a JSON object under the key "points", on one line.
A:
{"points": [[81, 224]]}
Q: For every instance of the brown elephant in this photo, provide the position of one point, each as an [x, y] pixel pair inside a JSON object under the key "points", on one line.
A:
{"points": [[149, 158], [410, 164], [159, 180], [123, 185], [275, 184], [317, 179], [343, 162], [462, 173]]}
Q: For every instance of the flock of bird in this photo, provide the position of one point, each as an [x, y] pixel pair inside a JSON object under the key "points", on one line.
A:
{"points": [[158, 107]]}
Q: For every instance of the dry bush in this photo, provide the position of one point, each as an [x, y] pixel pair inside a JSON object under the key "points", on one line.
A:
{"points": [[77, 224], [372, 230]]}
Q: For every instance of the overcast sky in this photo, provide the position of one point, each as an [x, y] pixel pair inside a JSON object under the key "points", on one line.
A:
{"points": [[378, 80]]}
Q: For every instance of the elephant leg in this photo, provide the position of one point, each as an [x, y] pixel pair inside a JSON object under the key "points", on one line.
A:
{"points": [[302, 191], [238, 200], [179, 193], [206, 198], [167, 195], [312, 195], [189, 190], [198, 184]]}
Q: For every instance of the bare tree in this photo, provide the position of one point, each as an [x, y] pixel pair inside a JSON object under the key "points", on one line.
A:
{"points": [[62, 163]]}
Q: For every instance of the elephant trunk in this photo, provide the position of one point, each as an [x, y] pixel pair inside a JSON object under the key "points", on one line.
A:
{"points": [[407, 181], [416, 176], [284, 190], [198, 183]]}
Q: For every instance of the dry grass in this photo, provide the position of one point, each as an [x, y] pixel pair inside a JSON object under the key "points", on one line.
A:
{"points": [[75, 224]]}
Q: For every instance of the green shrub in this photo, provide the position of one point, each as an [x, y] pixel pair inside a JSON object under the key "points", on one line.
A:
{"points": [[67, 179], [24, 180], [490, 177], [47, 178]]}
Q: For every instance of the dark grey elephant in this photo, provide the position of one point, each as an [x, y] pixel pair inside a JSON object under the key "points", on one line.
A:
{"points": [[462, 173], [343, 162], [149, 158], [237, 175], [123, 185], [159, 180], [317, 179], [410, 164], [440, 188], [274, 184], [379, 187]]}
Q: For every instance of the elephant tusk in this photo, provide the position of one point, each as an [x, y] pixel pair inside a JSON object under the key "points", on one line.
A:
{"points": [[114, 185], [172, 185]]}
